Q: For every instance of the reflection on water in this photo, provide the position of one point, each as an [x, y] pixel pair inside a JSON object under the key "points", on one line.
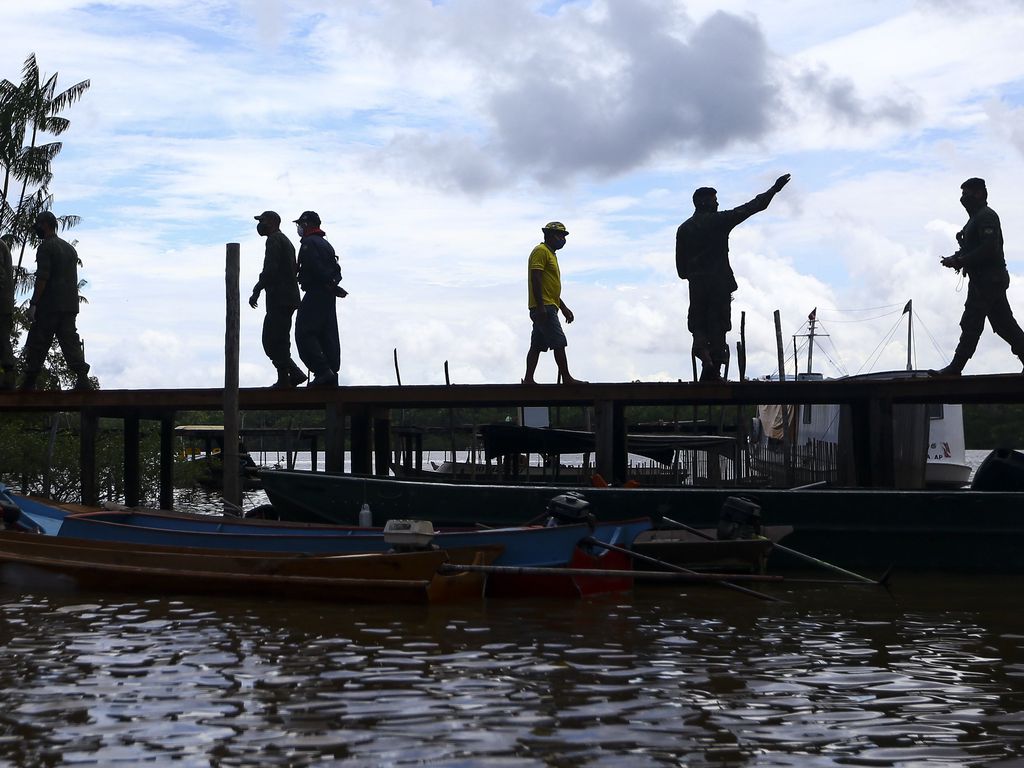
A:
{"points": [[929, 674]]}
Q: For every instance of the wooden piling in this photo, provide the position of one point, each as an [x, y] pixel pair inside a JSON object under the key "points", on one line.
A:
{"points": [[230, 462]]}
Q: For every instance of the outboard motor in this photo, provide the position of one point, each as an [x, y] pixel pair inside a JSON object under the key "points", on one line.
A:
{"points": [[740, 518], [569, 508]]}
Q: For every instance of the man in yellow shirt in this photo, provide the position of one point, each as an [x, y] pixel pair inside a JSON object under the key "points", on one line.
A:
{"points": [[545, 292]]}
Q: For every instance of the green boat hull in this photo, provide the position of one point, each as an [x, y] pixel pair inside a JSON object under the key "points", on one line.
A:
{"points": [[857, 528]]}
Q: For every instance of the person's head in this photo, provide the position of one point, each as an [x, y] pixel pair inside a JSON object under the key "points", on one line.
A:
{"points": [[973, 194], [269, 222], [46, 224], [307, 221], [705, 199], [554, 234]]}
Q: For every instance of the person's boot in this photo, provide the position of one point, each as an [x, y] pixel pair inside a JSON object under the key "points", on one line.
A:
{"points": [[29, 382], [283, 379], [296, 375], [326, 378]]}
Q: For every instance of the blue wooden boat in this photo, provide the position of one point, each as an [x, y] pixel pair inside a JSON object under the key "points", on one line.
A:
{"points": [[523, 546]]}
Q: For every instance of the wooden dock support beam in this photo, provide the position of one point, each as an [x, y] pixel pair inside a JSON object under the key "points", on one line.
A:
{"points": [[167, 462], [334, 438], [361, 440], [610, 457], [87, 456], [132, 478], [231, 465], [381, 441]]}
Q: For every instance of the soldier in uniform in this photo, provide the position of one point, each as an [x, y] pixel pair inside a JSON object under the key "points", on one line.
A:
{"points": [[53, 308], [981, 258], [279, 281], [702, 257], [7, 370], [316, 325]]}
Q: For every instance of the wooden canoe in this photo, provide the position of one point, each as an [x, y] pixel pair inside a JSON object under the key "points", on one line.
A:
{"points": [[363, 578]]}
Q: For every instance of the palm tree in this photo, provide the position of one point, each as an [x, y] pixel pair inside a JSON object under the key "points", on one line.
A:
{"points": [[28, 111]]}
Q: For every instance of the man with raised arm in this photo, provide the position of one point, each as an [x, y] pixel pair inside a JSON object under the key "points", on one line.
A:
{"points": [[702, 257]]}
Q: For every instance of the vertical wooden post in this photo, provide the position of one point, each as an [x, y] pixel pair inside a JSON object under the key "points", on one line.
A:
{"points": [[361, 440], [231, 465], [741, 349], [167, 461], [883, 470], [87, 456], [334, 438], [610, 456], [381, 441], [132, 478]]}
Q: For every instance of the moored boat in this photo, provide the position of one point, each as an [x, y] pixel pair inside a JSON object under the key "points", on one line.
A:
{"points": [[952, 530], [363, 578]]}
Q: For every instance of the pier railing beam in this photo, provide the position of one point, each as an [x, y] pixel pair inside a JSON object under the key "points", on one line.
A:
{"points": [[132, 478], [87, 456]]}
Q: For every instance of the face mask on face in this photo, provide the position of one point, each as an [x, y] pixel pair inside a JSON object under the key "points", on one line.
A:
{"points": [[259, 229], [300, 229]]}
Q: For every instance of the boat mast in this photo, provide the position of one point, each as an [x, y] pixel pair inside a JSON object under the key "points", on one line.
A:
{"points": [[909, 312], [811, 320]]}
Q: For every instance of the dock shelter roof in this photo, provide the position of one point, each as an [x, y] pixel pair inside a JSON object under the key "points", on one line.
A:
{"points": [[507, 439]]}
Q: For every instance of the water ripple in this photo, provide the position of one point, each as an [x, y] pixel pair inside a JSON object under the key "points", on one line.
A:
{"points": [[659, 678]]}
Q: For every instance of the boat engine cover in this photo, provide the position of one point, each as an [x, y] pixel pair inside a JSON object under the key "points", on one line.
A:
{"points": [[740, 518], [569, 507], [409, 533]]}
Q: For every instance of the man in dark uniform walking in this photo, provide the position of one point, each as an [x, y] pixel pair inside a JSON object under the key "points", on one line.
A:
{"points": [[53, 308], [316, 325], [702, 257], [279, 281], [981, 258], [7, 363]]}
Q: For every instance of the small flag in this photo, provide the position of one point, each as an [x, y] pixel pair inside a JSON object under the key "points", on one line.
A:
{"points": [[813, 315], [907, 308]]}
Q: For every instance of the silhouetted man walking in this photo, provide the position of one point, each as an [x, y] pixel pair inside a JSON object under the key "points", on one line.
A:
{"points": [[702, 257], [316, 325], [981, 258], [544, 292], [53, 309], [279, 281]]}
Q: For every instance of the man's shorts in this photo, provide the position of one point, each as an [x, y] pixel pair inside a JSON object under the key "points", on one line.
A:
{"points": [[547, 332]]}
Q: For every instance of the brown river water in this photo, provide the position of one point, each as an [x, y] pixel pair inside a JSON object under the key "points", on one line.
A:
{"points": [[927, 672]]}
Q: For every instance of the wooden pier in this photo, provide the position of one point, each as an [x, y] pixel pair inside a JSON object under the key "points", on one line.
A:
{"points": [[363, 413]]}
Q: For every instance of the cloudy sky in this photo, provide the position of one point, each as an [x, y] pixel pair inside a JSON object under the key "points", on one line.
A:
{"points": [[435, 138]]}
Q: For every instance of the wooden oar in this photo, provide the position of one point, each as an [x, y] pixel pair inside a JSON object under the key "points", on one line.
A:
{"points": [[679, 569], [535, 570], [800, 555]]}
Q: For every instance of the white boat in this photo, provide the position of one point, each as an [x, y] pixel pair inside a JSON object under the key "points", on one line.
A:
{"points": [[815, 433]]}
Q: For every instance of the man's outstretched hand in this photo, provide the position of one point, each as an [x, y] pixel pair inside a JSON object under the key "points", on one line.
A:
{"points": [[780, 182]]}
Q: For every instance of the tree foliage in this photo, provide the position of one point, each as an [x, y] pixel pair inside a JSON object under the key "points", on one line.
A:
{"points": [[30, 112]]}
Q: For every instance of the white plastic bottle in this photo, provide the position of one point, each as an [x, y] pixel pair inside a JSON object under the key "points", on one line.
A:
{"points": [[365, 516]]}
